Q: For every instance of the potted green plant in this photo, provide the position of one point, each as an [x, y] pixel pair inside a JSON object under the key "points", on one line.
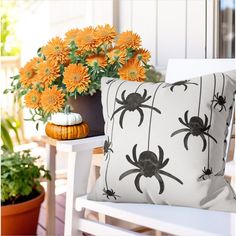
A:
{"points": [[21, 192]]}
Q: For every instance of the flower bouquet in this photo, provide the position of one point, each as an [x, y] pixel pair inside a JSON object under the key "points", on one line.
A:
{"points": [[74, 66]]}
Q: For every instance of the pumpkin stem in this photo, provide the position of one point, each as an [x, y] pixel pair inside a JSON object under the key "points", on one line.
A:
{"points": [[67, 109]]}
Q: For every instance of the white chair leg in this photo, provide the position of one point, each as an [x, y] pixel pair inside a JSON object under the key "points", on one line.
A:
{"points": [[77, 179], [50, 195]]}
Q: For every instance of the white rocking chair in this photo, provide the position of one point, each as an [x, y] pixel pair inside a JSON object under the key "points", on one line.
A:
{"points": [[173, 220]]}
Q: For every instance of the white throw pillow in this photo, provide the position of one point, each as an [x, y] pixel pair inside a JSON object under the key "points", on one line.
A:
{"points": [[166, 143]]}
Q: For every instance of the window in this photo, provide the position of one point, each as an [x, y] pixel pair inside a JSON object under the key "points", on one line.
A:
{"points": [[227, 28]]}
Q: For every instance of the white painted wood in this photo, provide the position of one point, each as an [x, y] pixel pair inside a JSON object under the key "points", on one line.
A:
{"points": [[126, 10], [171, 30], [100, 229], [210, 23], [180, 69], [173, 220], [77, 180], [103, 12], [196, 29], [146, 28], [80, 144], [50, 194]]}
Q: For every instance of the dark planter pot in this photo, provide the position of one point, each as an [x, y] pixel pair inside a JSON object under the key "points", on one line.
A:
{"points": [[21, 218], [90, 108]]}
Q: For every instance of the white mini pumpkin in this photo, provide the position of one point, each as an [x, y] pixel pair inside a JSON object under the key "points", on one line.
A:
{"points": [[66, 118]]}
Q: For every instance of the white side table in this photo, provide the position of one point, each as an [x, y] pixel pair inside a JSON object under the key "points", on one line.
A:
{"points": [[77, 151]]}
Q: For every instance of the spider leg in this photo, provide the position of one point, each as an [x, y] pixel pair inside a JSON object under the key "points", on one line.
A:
{"points": [[206, 120], [170, 176], [137, 182], [185, 87], [221, 108], [141, 116], [154, 108], [201, 177], [179, 131], [146, 99], [210, 136], [128, 172], [186, 140], [123, 95], [192, 83], [114, 197], [119, 101], [161, 154], [215, 104], [186, 117], [121, 118], [117, 110], [108, 197], [182, 122], [171, 88], [134, 153], [164, 163], [224, 107], [161, 183], [145, 93], [204, 142], [130, 161]]}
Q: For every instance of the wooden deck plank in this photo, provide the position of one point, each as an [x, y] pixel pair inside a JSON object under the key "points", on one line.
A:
{"points": [[60, 216]]}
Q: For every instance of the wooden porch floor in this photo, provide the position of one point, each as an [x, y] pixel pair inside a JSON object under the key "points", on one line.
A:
{"points": [[60, 212]]}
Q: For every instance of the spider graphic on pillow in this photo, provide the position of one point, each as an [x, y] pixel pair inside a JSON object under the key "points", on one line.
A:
{"points": [[220, 101], [148, 165], [183, 83], [196, 127], [134, 101]]}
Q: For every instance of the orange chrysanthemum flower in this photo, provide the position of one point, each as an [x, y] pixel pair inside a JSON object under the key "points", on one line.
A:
{"points": [[105, 34], [72, 36], [52, 100], [76, 77], [47, 72], [35, 62], [116, 55], [128, 39], [99, 60], [56, 50], [132, 71], [86, 39], [27, 75], [143, 55], [32, 99]]}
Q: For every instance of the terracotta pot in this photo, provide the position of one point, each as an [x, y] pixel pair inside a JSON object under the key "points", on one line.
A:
{"points": [[90, 108], [21, 218]]}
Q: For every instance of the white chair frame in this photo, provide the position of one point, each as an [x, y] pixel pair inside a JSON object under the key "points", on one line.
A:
{"points": [[173, 220]]}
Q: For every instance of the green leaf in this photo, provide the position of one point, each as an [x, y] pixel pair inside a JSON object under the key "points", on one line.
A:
{"points": [[6, 139], [10, 121], [6, 91]]}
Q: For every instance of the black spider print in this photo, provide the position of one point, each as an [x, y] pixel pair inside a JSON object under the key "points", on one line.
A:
{"points": [[207, 172], [148, 165], [196, 127], [110, 193], [134, 101], [179, 83], [219, 100], [107, 146], [109, 81]]}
